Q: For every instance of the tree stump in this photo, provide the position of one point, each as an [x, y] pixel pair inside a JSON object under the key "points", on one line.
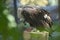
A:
{"points": [[36, 35]]}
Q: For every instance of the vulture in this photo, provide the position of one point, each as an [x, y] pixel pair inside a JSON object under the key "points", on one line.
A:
{"points": [[37, 17]]}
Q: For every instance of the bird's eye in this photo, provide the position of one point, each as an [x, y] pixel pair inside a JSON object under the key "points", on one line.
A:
{"points": [[45, 16]]}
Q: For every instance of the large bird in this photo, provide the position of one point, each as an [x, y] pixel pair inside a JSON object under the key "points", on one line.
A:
{"points": [[37, 18]]}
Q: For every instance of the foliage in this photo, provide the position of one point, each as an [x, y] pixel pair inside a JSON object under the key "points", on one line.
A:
{"points": [[56, 34], [8, 26]]}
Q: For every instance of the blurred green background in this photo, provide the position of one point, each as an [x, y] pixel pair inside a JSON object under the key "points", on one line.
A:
{"points": [[10, 30]]}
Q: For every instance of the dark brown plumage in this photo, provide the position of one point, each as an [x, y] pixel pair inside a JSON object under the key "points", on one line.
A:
{"points": [[36, 17]]}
